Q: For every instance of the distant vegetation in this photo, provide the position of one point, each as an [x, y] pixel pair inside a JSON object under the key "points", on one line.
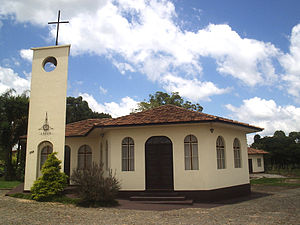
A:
{"points": [[77, 110], [284, 151]]}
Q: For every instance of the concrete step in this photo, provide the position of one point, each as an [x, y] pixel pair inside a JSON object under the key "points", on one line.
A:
{"points": [[157, 194], [182, 202], [157, 198]]}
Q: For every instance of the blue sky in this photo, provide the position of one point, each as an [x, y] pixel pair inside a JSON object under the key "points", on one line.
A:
{"points": [[238, 59]]}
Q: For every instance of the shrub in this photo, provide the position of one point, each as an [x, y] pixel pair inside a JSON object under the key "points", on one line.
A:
{"points": [[94, 188], [52, 182]]}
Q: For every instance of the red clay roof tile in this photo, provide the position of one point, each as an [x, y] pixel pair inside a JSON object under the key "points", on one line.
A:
{"points": [[83, 127], [166, 114], [253, 151]]}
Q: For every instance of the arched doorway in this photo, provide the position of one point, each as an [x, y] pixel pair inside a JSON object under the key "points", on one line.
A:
{"points": [[67, 160], [159, 163]]}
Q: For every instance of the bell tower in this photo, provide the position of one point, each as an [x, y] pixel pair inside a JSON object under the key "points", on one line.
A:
{"points": [[47, 108]]}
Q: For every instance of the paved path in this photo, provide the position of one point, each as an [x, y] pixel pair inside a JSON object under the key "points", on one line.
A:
{"points": [[276, 207], [265, 175]]}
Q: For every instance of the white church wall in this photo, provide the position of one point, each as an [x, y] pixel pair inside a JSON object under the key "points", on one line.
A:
{"points": [[76, 142], [206, 178], [218, 178]]}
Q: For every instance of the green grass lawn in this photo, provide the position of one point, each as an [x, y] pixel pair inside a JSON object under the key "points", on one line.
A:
{"points": [[291, 182], [8, 184]]}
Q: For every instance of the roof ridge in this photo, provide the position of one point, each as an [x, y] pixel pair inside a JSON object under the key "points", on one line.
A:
{"points": [[80, 121], [191, 110]]}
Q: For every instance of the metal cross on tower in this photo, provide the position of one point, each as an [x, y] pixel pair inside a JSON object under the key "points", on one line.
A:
{"points": [[58, 22]]}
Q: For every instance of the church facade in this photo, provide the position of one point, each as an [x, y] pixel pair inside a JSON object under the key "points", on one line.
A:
{"points": [[167, 148]]}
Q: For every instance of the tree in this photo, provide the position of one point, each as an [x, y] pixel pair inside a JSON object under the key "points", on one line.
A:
{"points": [[162, 98], [77, 109], [13, 124], [52, 182], [284, 151], [295, 136]]}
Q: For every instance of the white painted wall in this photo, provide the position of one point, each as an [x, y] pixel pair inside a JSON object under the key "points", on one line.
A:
{"points": [[206, 178], [255, 167], [48, 94]]}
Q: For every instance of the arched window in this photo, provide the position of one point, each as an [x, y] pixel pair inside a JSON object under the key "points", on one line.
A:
{"points": [[46, 149], [127, 154], [220, 146], [84, 157], [191, 153], [237, 153]]}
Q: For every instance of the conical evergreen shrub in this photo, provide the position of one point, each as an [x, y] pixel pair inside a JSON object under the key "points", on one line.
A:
{"points": [[52, 182]]}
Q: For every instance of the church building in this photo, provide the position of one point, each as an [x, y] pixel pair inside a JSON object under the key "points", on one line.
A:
{"points": [[167, 148]]}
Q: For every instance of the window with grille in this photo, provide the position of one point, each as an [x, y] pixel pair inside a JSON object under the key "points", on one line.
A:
{"points": [[220, 146], [258, 162], [84, 157], [237, 153], [127, 154], [191, 153], [46, 150]]}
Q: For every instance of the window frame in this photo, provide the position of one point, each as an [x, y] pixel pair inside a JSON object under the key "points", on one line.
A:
{"points": [[221, 150], [237, 153], [191, 142], [259, 164], [44, 156], [87, 155], [127, 154]]}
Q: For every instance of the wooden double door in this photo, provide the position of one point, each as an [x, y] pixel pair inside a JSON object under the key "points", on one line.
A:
{"points": [[159, 163]]}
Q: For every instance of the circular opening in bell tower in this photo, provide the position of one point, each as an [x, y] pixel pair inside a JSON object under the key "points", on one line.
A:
{"points": [[49, 64]]}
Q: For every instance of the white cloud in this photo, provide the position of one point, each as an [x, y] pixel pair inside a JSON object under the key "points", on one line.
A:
{"points": [[192, 89], [9, 79], [290, 63], [125, 107], [26, 54], [102, 90], [268, 115], [143, 36], [123, 67]]}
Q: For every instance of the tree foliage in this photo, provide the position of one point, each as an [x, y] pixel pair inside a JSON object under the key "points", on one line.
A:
{"points": [[162, 98], [284, 151], [52, 182], [77, 109], [13, 124]]}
